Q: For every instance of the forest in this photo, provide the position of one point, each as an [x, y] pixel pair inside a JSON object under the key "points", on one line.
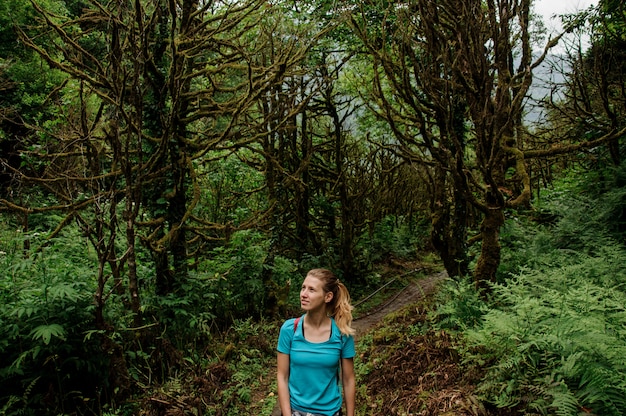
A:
{"points": [[170, 170]]}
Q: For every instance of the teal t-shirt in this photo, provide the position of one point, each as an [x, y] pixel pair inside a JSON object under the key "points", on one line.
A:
{"points": [[314, 367]]}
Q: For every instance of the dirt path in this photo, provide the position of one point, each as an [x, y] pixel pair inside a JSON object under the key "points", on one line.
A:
{"points": [[410, 294]]}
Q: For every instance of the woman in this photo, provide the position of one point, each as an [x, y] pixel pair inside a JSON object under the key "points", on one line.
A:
{"points": [[316, 351]]}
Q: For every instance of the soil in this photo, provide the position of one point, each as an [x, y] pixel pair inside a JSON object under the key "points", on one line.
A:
{"points": [[407, 296], [410, 294]]}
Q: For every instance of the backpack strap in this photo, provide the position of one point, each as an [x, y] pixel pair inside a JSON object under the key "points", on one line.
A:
{"points": [[295, 324]]}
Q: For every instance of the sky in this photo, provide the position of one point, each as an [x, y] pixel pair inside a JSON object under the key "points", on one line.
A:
{"points": [[548, 8]]}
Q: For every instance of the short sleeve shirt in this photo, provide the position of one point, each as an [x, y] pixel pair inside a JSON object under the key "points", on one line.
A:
{"points": [[314, 368]]}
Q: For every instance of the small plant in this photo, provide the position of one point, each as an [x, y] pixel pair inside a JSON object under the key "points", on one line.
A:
{"points": [[552, 333], [555, 339], [460, 306]]}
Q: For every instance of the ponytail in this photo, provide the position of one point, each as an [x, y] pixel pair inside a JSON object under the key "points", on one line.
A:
{"points": [[343, 310], [339, 307]]}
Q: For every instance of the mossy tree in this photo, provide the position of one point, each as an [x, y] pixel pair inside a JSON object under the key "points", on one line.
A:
{"points": [[151, 93], [588, 101], [452, 79]]}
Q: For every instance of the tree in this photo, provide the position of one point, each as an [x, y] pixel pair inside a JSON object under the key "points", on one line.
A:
{"points": [[150, 93], [588, 102], [29, 92], [451, 78]]}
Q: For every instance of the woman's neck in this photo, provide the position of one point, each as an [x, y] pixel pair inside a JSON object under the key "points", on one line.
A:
{"points": [[317, 318]]}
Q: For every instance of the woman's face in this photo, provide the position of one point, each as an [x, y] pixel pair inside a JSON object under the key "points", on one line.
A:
{"points": [[312, 295]]}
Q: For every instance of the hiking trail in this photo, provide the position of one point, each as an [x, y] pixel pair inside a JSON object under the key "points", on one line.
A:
{"points": [[410, 294]]}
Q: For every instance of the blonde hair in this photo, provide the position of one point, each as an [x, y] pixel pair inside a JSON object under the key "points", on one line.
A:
{"points": [[339, 307]]}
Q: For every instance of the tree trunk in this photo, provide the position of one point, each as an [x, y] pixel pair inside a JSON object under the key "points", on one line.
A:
{"points": [[449, 226], [176, 219], [489, 260]]}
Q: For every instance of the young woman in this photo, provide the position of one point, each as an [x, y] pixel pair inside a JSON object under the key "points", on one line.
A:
{"points": [[316, 351]]}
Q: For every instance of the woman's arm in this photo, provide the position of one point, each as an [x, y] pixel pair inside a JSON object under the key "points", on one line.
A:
{"points": [[349, 384], [283, 383]]}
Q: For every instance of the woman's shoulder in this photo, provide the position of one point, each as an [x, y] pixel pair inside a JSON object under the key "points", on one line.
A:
{"points": [[291, 323], [337, 331]]}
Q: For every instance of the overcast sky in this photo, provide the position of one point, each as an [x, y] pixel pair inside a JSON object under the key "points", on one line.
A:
{"points": [[548, 8]]}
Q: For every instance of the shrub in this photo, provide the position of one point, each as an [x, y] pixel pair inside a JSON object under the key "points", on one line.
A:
{"points": [[236, 272], [557, 339], [47, 364], [459, 305], [552, 333]]}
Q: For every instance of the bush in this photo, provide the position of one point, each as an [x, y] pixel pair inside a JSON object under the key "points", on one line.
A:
{"points": [[459, 305], [239, 271], [557, 339], [552, 332], [47, 363]]}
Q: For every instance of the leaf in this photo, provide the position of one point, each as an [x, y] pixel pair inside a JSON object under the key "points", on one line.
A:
{"points": [[63, 291], [90, 333], [46, 332]]}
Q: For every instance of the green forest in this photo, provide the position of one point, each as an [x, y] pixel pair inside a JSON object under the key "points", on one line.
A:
{"points": [[170, 171]]}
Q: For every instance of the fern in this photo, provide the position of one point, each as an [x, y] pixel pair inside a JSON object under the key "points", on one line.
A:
{"points": [[46, 332], [43, 314], [10, 402], [557, 338], [460, 306], [564, 401]]}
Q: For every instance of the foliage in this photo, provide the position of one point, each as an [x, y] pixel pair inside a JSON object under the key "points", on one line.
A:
{"points": [[606, 188], [553, 330], [235, 271], [460, 306], [557, 339], [450, 117], [236, 148], [405, 366], [229, 186], [55, 361], [589, 112], [29, 78], [581, 212], [48, 364], [249, 363], [231, 377], [395, 236]]}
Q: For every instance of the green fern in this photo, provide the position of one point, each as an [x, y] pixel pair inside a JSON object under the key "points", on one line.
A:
{"points": [[29, 389], [46, 332], [557, 338], [564, 401], [460, 306]]}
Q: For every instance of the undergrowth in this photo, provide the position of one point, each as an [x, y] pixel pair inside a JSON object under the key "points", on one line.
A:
{"points": [[406, 367], [232, 378], [551, 332]]}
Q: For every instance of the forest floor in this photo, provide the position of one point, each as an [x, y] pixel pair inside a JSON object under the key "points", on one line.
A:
{"points": [[405, 367]]}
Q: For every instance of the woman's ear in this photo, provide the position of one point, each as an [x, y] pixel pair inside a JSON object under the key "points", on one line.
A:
{"points": [[328, 297]]}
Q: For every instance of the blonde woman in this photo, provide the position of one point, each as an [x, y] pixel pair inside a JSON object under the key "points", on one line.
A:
{"points": [[316, 351]]}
